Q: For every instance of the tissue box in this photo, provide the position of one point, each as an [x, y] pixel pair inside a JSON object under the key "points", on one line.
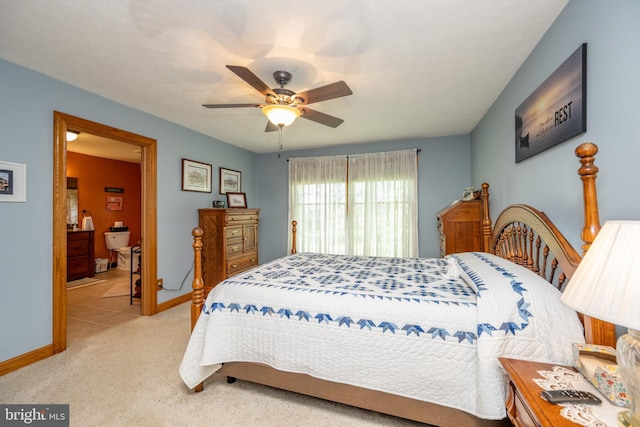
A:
{"points": [[598, 364]]}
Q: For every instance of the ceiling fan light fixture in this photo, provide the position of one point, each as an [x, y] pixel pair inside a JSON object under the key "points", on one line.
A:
{"points": [[281, 115], [72, 135]]}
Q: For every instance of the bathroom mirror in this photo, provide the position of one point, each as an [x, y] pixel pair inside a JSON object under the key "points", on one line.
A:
{"points": [[72, 202]]}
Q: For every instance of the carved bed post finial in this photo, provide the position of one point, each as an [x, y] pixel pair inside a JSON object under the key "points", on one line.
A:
{"points": [[596, 331], [293, 236], [588, 173], [197, 295], [487, 231]]}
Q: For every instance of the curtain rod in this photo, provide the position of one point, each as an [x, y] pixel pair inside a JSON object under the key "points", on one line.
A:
{"points": [[418, 150]]}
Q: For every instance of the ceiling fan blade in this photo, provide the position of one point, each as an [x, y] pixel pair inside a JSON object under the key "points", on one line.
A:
{"points": [[229, 105], [330, 91], [247, 75], [322, 118], [271, 127]]}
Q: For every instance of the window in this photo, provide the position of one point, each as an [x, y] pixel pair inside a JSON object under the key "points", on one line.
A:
{"points": [[357, 205]]}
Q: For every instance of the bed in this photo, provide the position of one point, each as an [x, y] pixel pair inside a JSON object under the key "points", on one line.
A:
{"points": [[415, 338]]}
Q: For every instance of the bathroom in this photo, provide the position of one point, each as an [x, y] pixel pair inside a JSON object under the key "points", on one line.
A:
{"points": [[109, 191]]}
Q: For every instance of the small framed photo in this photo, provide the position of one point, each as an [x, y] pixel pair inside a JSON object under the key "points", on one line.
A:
{"points": [[114, 203], [218, 203], [230, 180], [13, 182], [236, 200], [196, 176], [468, 194]]}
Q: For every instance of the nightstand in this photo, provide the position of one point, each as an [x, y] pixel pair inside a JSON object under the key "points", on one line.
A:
{"points": [[525, 407]]}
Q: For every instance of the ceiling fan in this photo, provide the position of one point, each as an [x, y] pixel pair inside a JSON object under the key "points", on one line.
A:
{"points": [[282, 106]]}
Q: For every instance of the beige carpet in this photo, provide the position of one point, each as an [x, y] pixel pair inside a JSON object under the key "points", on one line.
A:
{"points": [[128, 376]]}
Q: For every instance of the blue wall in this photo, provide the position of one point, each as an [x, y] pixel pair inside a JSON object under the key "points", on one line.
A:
{"points": [[612, 33], [27, 102], [443, 169]]}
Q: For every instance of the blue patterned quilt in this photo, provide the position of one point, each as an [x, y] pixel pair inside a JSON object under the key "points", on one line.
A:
{"points": [[429, 329]]}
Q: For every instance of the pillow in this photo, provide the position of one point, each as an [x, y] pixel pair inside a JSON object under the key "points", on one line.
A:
{"points": [[460, 261]]}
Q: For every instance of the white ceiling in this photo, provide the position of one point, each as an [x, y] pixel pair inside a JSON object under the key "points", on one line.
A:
{"points": [[417, 68]]}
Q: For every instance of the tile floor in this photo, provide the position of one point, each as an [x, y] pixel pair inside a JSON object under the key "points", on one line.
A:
{"points": [[88, 314]]}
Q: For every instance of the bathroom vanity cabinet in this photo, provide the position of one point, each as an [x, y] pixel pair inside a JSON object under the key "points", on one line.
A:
{"points": [[80, 258], [229, 243]]}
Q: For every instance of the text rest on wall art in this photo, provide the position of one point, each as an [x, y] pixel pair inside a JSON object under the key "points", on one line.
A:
{"points": [[556, 111]]}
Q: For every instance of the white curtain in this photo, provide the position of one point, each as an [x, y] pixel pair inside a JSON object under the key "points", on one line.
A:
{"points": [[383, 210], [360, 205], [317, 201]]}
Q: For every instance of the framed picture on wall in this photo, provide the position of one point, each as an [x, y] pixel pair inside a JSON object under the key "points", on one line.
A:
{"points": [[230, 180], [196, 176], [114, 203], [13, 182], [556, 111]]}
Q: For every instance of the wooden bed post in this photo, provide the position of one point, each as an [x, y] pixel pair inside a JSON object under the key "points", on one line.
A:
{"points": [[487, 231], [293, 237], [595, 330], [588, 173], [197, 296], [197, 293]]}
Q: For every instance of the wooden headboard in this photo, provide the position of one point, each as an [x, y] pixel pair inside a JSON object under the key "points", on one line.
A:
{"points": [[527, 237]]}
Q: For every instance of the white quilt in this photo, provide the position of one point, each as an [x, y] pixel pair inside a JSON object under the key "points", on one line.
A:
{"points": [[429, 329]]}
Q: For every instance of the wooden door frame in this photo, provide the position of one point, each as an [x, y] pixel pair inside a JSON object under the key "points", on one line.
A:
{"points": [[148, 167]]}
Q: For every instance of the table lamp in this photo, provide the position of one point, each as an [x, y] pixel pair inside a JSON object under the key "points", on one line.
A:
{"points": [[606, 285]]}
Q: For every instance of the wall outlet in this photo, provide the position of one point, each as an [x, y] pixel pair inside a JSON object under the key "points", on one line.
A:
{"points": [[160, 282]]}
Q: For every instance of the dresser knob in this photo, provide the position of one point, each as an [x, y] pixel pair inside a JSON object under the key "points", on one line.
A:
{"points": [[253, 260], [235, 218], [234, 265], [234, 232], [234, 248]]}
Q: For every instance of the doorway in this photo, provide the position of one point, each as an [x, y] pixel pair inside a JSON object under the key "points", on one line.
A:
{"points": [[148, 148]]}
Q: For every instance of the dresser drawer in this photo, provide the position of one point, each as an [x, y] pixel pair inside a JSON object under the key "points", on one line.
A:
{"points": [[241, 217], [77, 247], [77, 265], [233, 233], [237, 265], [234, 247]]}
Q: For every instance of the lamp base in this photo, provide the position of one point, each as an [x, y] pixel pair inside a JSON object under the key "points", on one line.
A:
{"points": [[625, 419], [628, 354]]}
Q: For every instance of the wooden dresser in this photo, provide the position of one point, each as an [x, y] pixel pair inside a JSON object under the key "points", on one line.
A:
{"points": [[80, 259], [229, 243], [460, 226]]}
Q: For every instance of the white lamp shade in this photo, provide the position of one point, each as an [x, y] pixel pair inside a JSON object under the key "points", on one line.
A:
{"points": [[281, 115], [606, 284]]}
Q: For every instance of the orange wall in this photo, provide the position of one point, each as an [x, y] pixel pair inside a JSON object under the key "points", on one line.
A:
{"points": [[96, 173]]}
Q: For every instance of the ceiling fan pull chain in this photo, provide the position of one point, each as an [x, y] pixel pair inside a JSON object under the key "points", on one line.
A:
{"points": [[280, 139]]}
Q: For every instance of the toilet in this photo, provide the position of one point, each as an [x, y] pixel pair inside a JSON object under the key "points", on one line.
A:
{"points": [[118, 241], [126, 261]]}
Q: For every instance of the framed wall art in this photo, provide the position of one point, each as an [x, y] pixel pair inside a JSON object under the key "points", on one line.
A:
{"points": [[13, 182], [230, 180], [556, 111], [114, 203], [236, 200], [196, 176]]}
